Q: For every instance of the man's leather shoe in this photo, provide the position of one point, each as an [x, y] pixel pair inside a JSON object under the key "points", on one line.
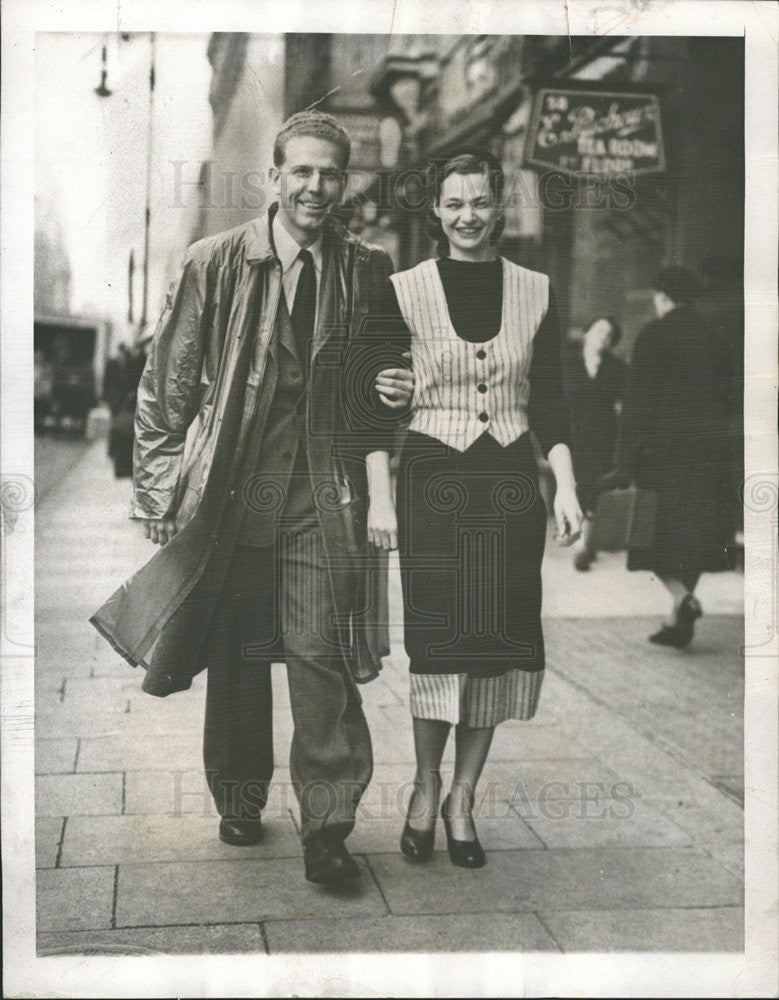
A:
{"points": [[328, 861], [240, 832]]}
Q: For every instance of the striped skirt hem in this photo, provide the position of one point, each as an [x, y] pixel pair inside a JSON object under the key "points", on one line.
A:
{"points": [[476, 702]]}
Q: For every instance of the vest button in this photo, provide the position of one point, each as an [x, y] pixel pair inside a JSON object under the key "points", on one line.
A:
{"points": [[483, 417], [481, 355], [481, 387], [295, 375]]}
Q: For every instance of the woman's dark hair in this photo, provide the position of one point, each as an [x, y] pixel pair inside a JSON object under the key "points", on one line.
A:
{"points": [[472, 160], [616, 329], [680, 285]]}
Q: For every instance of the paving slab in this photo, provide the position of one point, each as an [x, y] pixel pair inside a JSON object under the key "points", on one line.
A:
{"points": [[720, 822], [55, 756], [219, 939], [391, 736], [236, 891], [515, 932], [731, 857], [169, 792], [130, 750], [607, 879], [689, 700], [540, 738], [48, 835], [715, 929], [589, 818], [383, 691], [49, 693], [74, 899], [105, 662], [59, 644], [654, 771], [98, 694], [526, 782], [107, 840], [178, 791], [78, 794], [76, 721], [732, 785], [165, 715]]}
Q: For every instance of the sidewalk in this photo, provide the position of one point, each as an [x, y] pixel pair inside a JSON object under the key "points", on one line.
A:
{"points": [[612, 821]]}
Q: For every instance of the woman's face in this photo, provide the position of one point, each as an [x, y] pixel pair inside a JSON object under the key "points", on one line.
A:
{"points": [[600, 335], [468, 214]]}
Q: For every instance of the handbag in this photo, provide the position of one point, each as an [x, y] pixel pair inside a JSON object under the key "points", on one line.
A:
{"points": [[624, 519]]}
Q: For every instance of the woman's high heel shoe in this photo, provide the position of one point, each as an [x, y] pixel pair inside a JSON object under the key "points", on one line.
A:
{"points": [[681, 632], [463, 853], [417, 845]]}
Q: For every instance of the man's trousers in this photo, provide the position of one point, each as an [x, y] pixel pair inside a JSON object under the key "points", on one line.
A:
{"points": [[277, 603]]}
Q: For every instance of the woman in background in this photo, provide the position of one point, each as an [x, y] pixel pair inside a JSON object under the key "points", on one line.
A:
{"points": [[595, 383], [677, 417], [485, 348]]}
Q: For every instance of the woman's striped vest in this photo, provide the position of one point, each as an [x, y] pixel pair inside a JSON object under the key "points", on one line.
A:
{"points": [[463, 389]]}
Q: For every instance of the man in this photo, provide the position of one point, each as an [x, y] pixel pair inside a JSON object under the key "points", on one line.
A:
{"points": [[243, 473]]}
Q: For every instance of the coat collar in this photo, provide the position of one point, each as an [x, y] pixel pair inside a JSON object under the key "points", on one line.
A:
{"points": [[259, 246]]}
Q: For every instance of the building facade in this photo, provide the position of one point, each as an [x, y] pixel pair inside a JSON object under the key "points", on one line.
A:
{"points": [[640, 166]]}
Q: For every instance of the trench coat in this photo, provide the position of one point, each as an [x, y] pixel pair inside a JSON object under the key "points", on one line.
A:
{"points": [[205, 382]]}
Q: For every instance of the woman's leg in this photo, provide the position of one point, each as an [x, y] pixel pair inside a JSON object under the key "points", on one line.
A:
{"points": [[678, 592], [471, 749], [430, 736]]}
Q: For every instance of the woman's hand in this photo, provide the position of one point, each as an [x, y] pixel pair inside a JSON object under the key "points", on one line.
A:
{"points": [[568, 516], [382, 523]]}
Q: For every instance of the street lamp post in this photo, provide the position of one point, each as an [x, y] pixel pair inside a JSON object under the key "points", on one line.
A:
{"points": [[102, 91], [147, 211]]}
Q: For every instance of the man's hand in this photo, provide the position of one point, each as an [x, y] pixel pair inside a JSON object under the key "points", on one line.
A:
{"points": [[382, 524], [395, 387], [160, 530]]}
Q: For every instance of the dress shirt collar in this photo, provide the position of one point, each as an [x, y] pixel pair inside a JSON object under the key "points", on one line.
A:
{"points": [[287, 247]]}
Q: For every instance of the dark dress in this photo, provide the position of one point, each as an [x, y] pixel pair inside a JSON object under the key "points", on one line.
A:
{"points": [[472, 523], [594, 422], [677, 418]]}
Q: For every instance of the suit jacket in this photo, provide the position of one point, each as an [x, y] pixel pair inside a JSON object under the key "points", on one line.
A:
{"points": [[207, 381]]}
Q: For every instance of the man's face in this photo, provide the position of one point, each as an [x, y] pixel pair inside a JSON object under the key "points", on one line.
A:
{"points": [[308, 185]]}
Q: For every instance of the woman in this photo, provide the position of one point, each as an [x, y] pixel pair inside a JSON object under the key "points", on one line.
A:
{"points": [[594, 387], [484, 343], [677, 413]]}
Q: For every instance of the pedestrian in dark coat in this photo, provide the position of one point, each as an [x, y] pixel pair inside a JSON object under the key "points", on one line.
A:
{"points": [[244, 474], [677, 420]]}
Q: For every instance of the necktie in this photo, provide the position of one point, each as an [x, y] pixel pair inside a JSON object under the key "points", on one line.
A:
{"points": [[304, 308]]}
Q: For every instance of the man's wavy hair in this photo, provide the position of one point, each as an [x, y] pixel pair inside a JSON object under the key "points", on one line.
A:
{"points": [[316, 124], [472, 160]]}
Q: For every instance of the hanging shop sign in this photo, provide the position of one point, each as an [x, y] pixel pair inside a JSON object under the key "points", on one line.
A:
{"points": [[595, 133], [363, 130]]}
